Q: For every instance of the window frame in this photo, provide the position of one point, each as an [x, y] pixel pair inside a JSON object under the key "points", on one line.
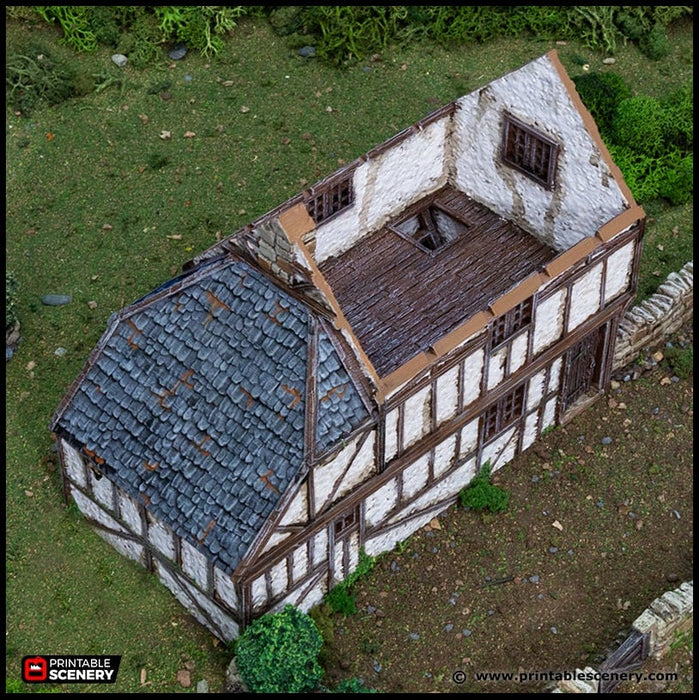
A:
{"points": [[531, 141], [330, 198], [503, 413], [511, 322]]}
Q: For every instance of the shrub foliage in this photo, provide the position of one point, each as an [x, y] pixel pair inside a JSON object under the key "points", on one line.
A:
{"points": [[481, 494], [278, 653]]}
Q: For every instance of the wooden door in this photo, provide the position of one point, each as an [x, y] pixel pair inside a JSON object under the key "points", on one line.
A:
{"points": [[582, 368]]}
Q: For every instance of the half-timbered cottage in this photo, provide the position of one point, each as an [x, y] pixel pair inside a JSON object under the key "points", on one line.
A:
{"points": [[328, 378]]}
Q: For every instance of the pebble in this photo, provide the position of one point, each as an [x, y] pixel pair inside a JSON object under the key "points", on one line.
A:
{"points": [[534, 579], [606, 441], [370, 609], [8, 353], [202, 686], [466, 633], [118, 59], [553, 550], [177, 53], [676, 514], [414, 636], [448, 627], [554, 630], [672, 577], [307, 51], [609, 61], [535, 478], [59, 352], [394, 566], [377, 666], [656, 410], [56, 299]]}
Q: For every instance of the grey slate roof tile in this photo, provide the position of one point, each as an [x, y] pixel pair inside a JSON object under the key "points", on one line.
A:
{"points": [[239, 336]]}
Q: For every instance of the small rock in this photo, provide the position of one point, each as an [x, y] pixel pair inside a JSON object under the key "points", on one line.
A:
{"points": [[92, 304], [672, 577], [535, 478], [8, 353], [119, 60], [56, 299], [534, 579], [606, 441], [608, 61], [234, 683], [658, 356], [553, 550], [414, 636], [307, 51], [448, 627], [202, 686], [466, 633], [184, 678], [59, 352], [676, 514], [377, 666], [178, 52], [370, 609], [554, 630]]}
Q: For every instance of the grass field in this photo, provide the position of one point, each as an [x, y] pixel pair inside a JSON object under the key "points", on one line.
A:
{"points": [[101, 207]]}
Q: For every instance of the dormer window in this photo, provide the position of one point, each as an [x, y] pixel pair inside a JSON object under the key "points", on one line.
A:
{"points": [[529, 151], [329, 198], [430, 227], [505, 326]]}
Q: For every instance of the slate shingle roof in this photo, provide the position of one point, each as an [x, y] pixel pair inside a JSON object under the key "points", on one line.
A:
{"points": [[196, 403]]}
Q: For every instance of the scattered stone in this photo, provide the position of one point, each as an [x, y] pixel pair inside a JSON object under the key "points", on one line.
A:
{"points": [[59, 352], [608, 61], [178, 52], [377, 666], [8, 353], [56, 299], [394, 566], [184, 678], [202, 686], [466, 633], [676, 514], [554, 630], [307, 51], [370, 609], [553, 550], [434, 524], [534, 579], [92, 304], [606, 441], [234, 683], [658, 356], [119, 60], [414, 636], [535, 478], [614, 384], [672, 577], [557, 525], [540, 596], [656, 410], [448, 627]]}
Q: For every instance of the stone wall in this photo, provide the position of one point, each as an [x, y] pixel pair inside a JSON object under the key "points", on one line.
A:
{"points": [[648, 324], [670, 614]]}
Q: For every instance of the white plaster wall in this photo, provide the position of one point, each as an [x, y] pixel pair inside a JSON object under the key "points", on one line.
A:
{"points": [[161, 538], [618, 271], [444, 455], [416, 416], [535, 391], [549, 414], [473, 375], [496, 366], [469, 438], [258, 592], [280, 578], [229, 628], [585, 297], [585, 196], [387, 540], [380, 502], [518, 351], [299, 561], [391, 439], [74, 465], [346, 544], [297, 511], [361, 468], [548, 321], [385, 185], [415, 476], [320, 547], [530, 430], [501, 450], [555, 375], [194, 564], [103, 490], [92, 510], [129, 512], [274, 540], [325, 475], [447, 394], [304, 601], [225, 588]]}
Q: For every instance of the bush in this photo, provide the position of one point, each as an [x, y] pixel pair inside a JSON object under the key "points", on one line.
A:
{"points": [[481, 494], [278, 653], [677, 181], [643, 174], [679, 117], [680, 361], [639, 123], [341, 598], [11, 292], [654, 44], [352, 685], [602, 93]]}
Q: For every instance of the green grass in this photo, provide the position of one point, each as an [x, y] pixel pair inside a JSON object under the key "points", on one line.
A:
{"points": [[263, 133]]}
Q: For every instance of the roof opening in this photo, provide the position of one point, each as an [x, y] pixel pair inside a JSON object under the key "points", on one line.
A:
{"points": [[431, 227]]}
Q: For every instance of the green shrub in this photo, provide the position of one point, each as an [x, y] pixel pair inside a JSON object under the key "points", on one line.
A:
{"points": [[11, 293], [75, 21], [654, 44], [679, 117], [353, 685], [639, 123], [677, 181], [278, 653], [643, 174], [680, 360], [340, 598], [602, 93], [481, 494]]}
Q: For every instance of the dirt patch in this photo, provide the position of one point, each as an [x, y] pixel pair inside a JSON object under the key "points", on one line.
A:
{"points": [[599, 524]]}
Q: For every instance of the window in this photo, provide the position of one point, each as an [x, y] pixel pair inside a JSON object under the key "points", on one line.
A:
{"points": [[508, 324], [529, 152], [328, 199], [431, 227], [346, 523], [503, 413]]}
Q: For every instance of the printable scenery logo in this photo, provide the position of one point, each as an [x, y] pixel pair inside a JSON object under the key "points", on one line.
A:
{"points": [[70, 669]]}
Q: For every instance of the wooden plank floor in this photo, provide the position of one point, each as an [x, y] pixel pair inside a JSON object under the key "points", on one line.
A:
{"points": [[400, 299]]}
